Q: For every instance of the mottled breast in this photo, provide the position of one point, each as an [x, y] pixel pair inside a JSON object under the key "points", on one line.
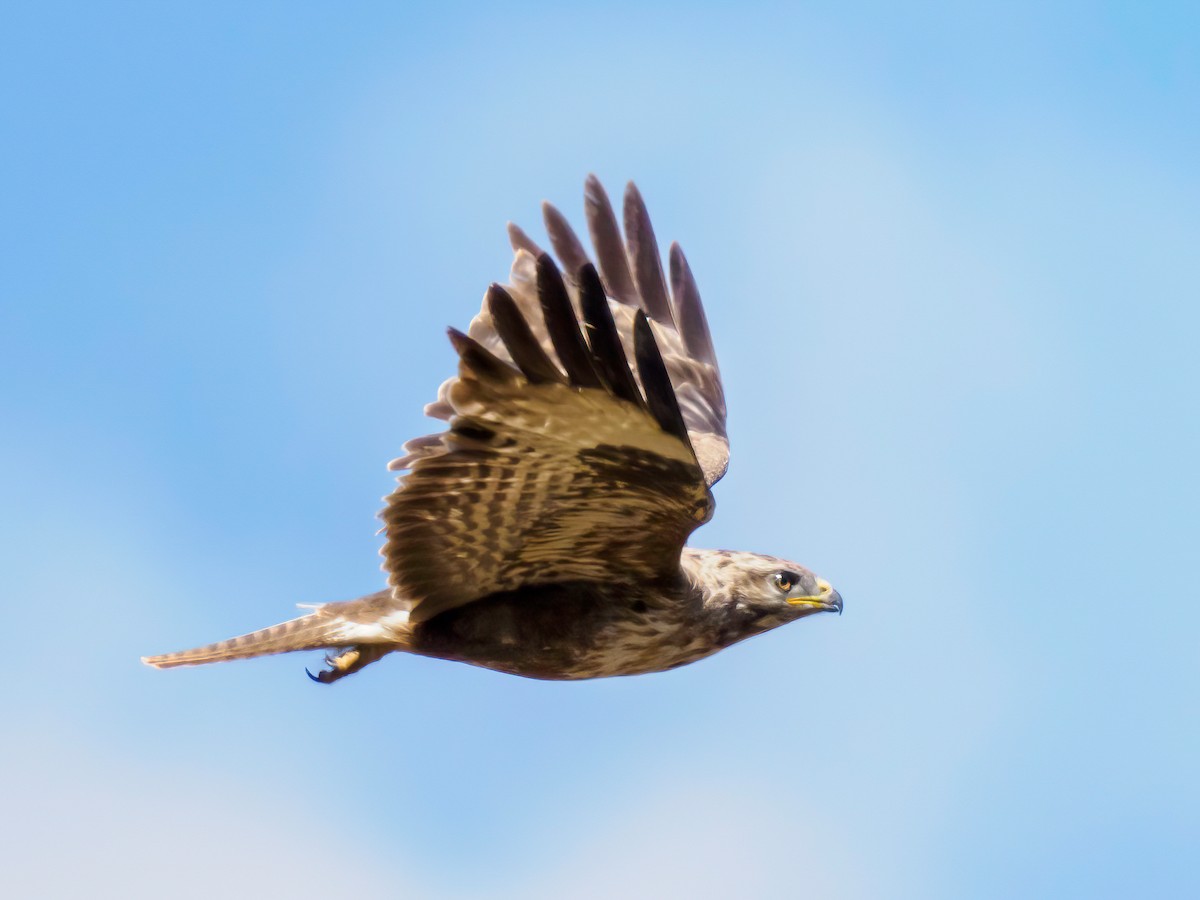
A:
{"points": [[571, 631]]}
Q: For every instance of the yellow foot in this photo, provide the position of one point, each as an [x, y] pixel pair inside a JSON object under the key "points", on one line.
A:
{"points": [[342, 661], [348, 662]]}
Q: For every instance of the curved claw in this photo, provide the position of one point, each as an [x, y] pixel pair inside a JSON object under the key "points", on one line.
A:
{"points": [[319, 679], [347, 662]]}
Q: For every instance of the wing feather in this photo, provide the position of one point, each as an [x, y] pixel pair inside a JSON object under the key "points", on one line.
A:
{"points": [[683, 339], [689, 311], [566, 245], [572, 453], [563, 326], [660, 396], [519, 339], [479, 359], [539, 483], [603, 338], [643, 253], [521, 241], [606, 238]]}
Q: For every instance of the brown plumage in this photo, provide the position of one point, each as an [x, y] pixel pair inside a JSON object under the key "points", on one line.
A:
{"points": [[542, 533]]}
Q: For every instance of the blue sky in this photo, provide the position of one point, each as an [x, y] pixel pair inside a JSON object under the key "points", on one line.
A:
{"points": [[949, 258]]}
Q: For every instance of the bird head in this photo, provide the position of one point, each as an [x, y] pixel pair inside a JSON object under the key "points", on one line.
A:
{"points": [[789, 590], [769, 589]]}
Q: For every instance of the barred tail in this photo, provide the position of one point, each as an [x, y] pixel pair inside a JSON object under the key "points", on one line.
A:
{"points": [[305, 633]]}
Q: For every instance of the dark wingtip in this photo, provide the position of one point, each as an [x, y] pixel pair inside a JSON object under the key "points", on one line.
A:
{"points": [[478, 358], [563, 326], [603, 338], [656, 381], [458, 340], [522, 346]]}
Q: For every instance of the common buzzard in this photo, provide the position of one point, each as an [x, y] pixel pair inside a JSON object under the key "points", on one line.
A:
{"points": [[542, 533]]}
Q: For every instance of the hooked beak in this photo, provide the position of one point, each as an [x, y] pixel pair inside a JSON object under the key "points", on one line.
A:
{"points": [[826, 600]]}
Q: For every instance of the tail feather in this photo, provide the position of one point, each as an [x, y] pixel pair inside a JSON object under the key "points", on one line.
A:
{"points": [[376, 619], [305, 633]]}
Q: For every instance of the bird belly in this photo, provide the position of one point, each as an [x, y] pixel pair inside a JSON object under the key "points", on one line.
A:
{"points": [[566, 632]]}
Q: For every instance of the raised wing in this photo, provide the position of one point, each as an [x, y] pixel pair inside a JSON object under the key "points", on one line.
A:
{"points": [[546, 476], [632, 276]]}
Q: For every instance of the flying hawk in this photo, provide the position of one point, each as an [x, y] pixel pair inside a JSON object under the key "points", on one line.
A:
{"points": [[542, 534]]}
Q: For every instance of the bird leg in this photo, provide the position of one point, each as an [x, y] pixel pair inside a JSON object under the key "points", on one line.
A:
{"points": [[348, 661]]}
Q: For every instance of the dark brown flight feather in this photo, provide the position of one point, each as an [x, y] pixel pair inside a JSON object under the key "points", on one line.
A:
{"points": [[563, 326], [607, 352], [479, 360], [660, 395], [519, 340]]}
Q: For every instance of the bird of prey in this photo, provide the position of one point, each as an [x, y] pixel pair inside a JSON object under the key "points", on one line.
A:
{"points": [[543, 532]]}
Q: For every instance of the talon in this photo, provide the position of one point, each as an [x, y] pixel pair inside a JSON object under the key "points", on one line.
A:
{"points": [[346, 663]]}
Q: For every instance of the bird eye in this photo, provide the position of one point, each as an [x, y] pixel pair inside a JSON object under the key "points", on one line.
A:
{"points": [[785, 581]]}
